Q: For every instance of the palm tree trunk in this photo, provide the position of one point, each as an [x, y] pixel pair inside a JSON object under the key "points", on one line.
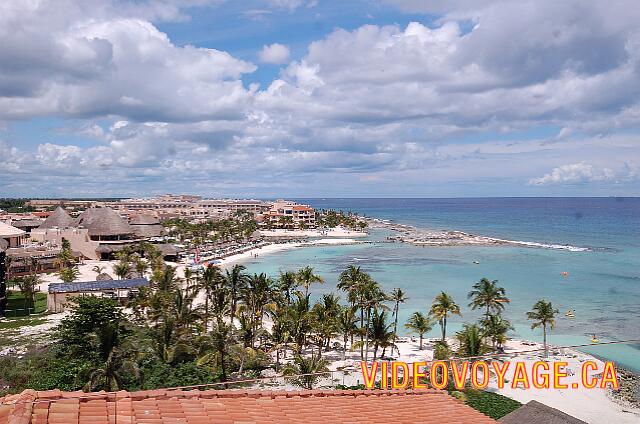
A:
{"points": [[444, 329], [395, 329], [361, 332], [366, 341], [544, 339], [421, 336]]}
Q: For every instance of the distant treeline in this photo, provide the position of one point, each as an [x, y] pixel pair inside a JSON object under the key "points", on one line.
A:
{"points": [[15, 205]]}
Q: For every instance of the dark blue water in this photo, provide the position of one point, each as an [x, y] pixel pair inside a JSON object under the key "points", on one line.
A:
{"points": [[603, 284]]}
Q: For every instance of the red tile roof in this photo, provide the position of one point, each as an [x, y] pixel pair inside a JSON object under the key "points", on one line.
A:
{"points": [[237, 407]]}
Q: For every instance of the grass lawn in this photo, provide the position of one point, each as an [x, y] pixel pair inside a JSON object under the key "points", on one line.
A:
{"points": [[16, 304]]}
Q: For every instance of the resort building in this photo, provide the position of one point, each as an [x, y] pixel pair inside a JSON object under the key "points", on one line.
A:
{"points": [[12, 236], [239, 406], [60, 293], [40, 259], [189, 206], [45, 204], [286, 214]]}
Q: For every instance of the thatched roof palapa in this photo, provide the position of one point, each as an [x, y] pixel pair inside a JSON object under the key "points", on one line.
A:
{"points": [[58, 219], [538, 413], [104, 222], [146, 225]]}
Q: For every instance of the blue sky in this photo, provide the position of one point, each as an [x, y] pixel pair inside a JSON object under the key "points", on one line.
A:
{"points": [[306, 98]]}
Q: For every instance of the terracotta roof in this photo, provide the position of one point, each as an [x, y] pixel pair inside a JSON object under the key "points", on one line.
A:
{"points": [[238, 407]]}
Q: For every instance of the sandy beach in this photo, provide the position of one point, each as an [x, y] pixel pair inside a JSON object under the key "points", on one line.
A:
{"points": [[328, 232]]}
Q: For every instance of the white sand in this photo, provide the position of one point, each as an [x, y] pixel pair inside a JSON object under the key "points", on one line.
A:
{"points": [[329, 232]]}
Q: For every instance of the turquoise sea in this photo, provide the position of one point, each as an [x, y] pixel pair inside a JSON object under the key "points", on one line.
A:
{"points": [[603, 285]]}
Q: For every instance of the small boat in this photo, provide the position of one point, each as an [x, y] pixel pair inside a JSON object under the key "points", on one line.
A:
{"points": [[569, 315], [476, 262], [595, 340], [564, 273]]}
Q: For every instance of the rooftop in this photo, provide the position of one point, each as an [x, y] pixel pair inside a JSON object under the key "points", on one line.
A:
{"points": [[86, 286], [104, 222], [7, 230], [538, 413], [238, 406], [58, 219]]}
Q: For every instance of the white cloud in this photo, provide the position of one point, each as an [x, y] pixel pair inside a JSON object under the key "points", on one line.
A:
{"points": [[573, 173], [390, 101], [275, 53]]}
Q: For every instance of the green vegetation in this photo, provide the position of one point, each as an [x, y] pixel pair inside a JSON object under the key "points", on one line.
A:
{"points": [[543, 315], [331, 219], [17, 304], [15, 205], [240, 227], [492, 404]]}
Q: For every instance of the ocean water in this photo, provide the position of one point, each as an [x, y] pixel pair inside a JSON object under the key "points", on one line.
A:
{"points": [[603, 286]]}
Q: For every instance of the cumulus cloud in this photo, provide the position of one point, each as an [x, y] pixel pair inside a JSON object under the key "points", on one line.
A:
{"points": [[77, 65], [581, 172], [275, 53], [448, 102]]}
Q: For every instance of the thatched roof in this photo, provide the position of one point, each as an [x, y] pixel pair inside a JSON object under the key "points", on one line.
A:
{"points": [[146, 231], [104, 222], [58, 219], [103, 276], [167, 249], [144, 219], [538, 413]]}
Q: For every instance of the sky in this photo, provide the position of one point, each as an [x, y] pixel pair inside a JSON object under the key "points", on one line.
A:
{"points": [[319, 98]]}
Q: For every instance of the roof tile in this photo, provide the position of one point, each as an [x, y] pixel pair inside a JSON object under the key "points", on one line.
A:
{"points": [[238, 407]]}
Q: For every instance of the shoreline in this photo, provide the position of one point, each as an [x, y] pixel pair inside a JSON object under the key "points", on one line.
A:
{"points": [[451, 238]]}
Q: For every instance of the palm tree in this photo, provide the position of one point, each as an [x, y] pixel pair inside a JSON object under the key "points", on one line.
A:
{"points": [[543, 315], [306, 277], [444, 305], [287, 284], [346, 325], [68, 275], [420, 324], [141, 266], [98, 269], [351, 281], [122, 269], [324, 319], [216, 348], [110, 375], [256, 296], [236, 281], [380, 333], [397, 296], [487, 294], [305, 371], [495, 328], [212, 280], [471, 341], [28, 286]]}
